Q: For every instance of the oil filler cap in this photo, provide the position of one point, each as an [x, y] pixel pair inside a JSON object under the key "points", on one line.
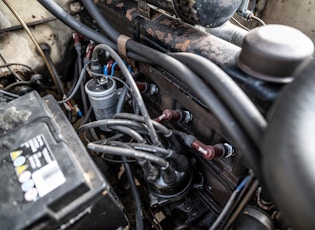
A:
{"points": [[274, 53]]}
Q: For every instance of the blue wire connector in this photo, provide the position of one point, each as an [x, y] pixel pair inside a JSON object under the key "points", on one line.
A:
{"points": [[242, 184], [77, 110], [105, 70]]}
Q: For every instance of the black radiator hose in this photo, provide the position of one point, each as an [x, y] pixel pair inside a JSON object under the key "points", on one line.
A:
{"points": [[289, 151]]}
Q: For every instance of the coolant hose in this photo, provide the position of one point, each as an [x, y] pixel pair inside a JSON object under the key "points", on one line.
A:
{"points": [[289, 151], [79, 27], [107, 28]]}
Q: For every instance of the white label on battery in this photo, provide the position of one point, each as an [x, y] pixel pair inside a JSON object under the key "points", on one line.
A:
{"points": [[31, 195], [48, 178], [36, 168]]}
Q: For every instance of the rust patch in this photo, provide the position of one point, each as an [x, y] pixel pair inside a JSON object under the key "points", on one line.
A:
{"points": [[129, 13], [166, 22], [178, 46], [185, 45], [150, 31], [120, 5], [160, 35], [169, 38]]}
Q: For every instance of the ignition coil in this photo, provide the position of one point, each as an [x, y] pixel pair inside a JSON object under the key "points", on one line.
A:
{"points": [[103, 97]]}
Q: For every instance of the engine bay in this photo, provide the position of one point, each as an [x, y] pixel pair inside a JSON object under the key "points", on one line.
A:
{"points": [[154, 114]]}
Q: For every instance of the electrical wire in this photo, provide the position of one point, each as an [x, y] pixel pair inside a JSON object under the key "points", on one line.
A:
{"points": [[9, 94], [229, 203], [57, 79], [133, 188], [75, 77], [119, 151], [135, 194], [157, 125], [85, 120], [160, 127], [17, 77], [151, 148], [243, 203], [82, 75], [130, 132], [239, 24], [6, 97], [121, 99], [107, 76], [40, 51], [114, 138], [30, 24], [226, 208], [180, 162], [110, 122], [87, 116], [112, 71], [16, 84], [122, 82], [261, 22], [18, 64], [239, 199], [78, 67], [118, 161]]}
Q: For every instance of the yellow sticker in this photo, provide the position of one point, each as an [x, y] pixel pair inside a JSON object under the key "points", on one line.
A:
{"points": [[20, 169], [15, 154]]}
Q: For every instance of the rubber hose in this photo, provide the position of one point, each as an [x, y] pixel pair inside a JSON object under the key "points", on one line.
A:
{"points": [[67, 19], [288, 151], [106, 27], [234, 97]]}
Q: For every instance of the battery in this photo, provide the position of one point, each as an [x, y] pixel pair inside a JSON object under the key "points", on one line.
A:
{"points": [[48, 180]]}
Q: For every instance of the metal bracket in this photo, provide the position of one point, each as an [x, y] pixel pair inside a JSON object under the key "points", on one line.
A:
{"points": [[144, 8]]}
